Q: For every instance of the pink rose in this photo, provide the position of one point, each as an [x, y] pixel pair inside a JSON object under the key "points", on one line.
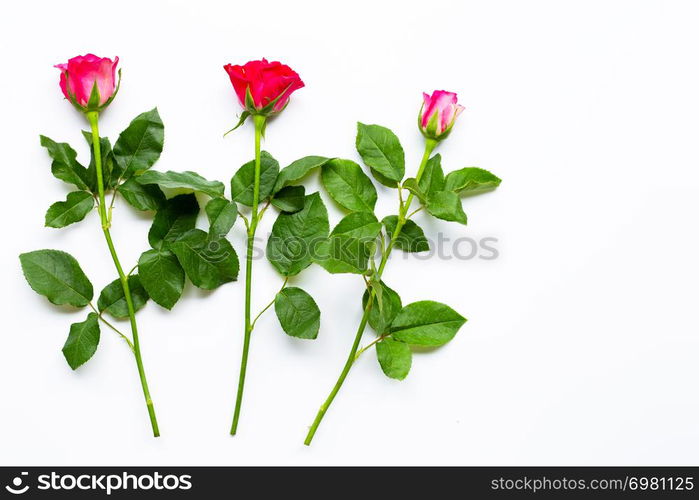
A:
{"points": [[438, 114], [79, 76], [263, 87]]}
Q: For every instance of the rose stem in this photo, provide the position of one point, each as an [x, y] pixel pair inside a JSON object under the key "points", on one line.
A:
{"points": [[429, 146], [259, 121], [93, 118]]}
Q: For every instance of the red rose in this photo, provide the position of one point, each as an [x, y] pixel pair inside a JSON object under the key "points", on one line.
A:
{"points": [[81, 73], [268, 85]]}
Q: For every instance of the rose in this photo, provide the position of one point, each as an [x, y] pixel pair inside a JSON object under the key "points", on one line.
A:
{"points": [[262, 87], [438, 114], [89, 81]]}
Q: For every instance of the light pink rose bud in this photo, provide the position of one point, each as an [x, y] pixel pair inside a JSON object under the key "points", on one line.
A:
{"points": [[438, 114], [83, 74]]}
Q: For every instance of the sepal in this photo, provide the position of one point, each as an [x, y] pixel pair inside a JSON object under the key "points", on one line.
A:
{"points": [[93, 103], [243, 117]]}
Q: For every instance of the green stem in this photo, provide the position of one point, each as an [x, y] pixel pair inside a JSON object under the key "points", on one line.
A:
{"points": [[93, 118], [430, 144], [271, 303], [101, 318], [343, 375], [371, 344], [414, 212], [353, 355], [259, 121]]}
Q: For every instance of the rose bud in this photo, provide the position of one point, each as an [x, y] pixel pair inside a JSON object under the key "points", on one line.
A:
{"points": [[438, 114], [89, 81], [262, 87]]}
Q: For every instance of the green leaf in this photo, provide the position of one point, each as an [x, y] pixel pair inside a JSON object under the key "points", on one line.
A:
{"points": [[381, 316], [426, 323], [348, 185], [142, 197], [110, 171], [381, 150], [411, 237], [382, 179], [342, 254], [411, 185], [289, 199], [376, 287], [394, 357], [140, 144], [77, 205], [471, 180], [222, 215], [446, 205], [243, 182], [113, 301], [65, 166], [162, 277], [182, 180], [209, 261], [432, 179], [177, 216], [361, 225], [294, 236], [298, 170], [350, 245], [57, 276], [298, 313], [82, 341]]}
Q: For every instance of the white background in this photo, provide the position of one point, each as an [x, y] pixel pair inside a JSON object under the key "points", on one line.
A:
{"points": [[582, 342]]}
